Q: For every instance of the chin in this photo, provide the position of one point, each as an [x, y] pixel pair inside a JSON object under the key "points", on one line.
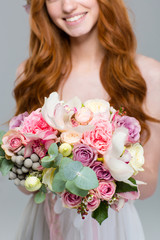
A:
{"points": [[79, 33]]}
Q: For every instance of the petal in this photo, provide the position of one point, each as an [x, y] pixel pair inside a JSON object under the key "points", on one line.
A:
{"points": [[118, 141], [74, 103], [49, 106], [119, 170], [130, 195], [61, 118]]}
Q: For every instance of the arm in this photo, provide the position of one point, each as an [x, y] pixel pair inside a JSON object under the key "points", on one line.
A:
{"points": [[150, 70]]}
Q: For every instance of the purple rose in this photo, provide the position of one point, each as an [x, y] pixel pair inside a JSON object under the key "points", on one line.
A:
{"points": [[84, 154], [17, 120], [133, 127], [101, 172]]}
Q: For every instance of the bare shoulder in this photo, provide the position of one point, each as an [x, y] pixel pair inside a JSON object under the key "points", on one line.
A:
{"points": [[19, 72], [150, 70], [149, 67]]}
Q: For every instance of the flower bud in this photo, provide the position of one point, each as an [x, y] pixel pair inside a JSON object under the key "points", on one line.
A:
{"points": [[65, 149], [32, 184]]}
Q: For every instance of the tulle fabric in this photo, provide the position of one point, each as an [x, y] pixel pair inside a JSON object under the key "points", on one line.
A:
{"points": [[50, 221]]}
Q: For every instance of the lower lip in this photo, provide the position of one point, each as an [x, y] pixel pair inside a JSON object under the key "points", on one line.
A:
{"points": [[76, 21]]}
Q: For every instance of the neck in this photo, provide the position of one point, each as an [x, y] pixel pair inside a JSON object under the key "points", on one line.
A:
{"points": [[86, 50]]}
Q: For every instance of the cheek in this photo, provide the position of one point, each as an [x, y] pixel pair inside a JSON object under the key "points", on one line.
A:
{"points": [[54, 14]]}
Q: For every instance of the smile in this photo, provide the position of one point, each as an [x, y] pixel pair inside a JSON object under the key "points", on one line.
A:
{"points": [[75, 19]]}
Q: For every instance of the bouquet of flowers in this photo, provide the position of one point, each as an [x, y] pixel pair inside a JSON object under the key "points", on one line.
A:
{"points": [[86, 153]]}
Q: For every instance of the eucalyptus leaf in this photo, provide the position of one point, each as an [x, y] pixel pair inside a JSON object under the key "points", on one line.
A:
{"points": [[124, 187], [65, 161], [72, 170], [53, 150], [39, 197], [101, 213], [57, 160], [86, 179], [58, 184], [2, 133], [47, 162], [6, 166], [71, 187]]}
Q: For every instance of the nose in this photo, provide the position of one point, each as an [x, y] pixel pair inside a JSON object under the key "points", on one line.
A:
{"points": [[69, 6]]}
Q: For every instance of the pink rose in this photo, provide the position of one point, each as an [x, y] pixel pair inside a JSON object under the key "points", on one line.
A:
{"points": [[99, 138], [93, 202], [84, 116], [106, 190], [35, 124], [12, 142], [70, 200]]}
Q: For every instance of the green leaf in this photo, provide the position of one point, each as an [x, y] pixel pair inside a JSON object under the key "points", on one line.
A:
{"points": [[2, 152], [71, 187], [47, 162], [43, 189], [101, 213], [57, 160], [39, 197], [72, 170], [1, 136], [132, 180], [86, 179], [6, 166], [53, 150], [58, 184], [65, 161], [124, 187]]}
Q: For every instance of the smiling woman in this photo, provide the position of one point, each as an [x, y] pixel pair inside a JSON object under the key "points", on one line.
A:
{"points": [[88, 48], [73, 20]]}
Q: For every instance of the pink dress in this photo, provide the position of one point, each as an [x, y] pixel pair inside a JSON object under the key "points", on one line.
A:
{"points": [[50, 221]]}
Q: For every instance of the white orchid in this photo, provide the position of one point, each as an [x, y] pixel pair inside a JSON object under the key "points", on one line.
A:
{"points": [[58, 114], [117, 167]]}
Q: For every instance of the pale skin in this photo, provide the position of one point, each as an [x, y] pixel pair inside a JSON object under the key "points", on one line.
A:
{"points": [[84, 80]]}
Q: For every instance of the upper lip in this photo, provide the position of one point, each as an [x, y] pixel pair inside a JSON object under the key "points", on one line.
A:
{"points": [[73, 15]]}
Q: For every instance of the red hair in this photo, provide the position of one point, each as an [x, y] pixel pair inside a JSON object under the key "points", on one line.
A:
{"points": [[50, 61]]}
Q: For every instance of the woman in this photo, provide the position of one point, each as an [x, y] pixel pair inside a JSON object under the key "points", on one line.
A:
{"points": [[87, 48]]}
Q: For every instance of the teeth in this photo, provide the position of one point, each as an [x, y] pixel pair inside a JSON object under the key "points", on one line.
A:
{"points": [[75, 18]]}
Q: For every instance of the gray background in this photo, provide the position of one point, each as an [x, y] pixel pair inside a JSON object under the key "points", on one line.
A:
{"points": [[13, 49]]}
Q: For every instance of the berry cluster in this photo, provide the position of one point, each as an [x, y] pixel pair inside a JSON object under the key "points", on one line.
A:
{"points": [[23, 166]]}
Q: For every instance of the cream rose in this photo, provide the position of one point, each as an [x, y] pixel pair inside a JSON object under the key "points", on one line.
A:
{"points": [[98, 105], [137, 157], [71, 137]]}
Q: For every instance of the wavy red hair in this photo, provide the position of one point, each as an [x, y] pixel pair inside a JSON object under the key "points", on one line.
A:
{"points": [[50, 61]]}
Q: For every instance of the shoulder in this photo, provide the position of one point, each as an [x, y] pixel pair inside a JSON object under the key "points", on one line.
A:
{"points": [[150, 70], [20, 72]]}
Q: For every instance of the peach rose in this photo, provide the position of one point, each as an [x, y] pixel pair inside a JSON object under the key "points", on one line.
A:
{"points": [[84, 116], [71, 137]]}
